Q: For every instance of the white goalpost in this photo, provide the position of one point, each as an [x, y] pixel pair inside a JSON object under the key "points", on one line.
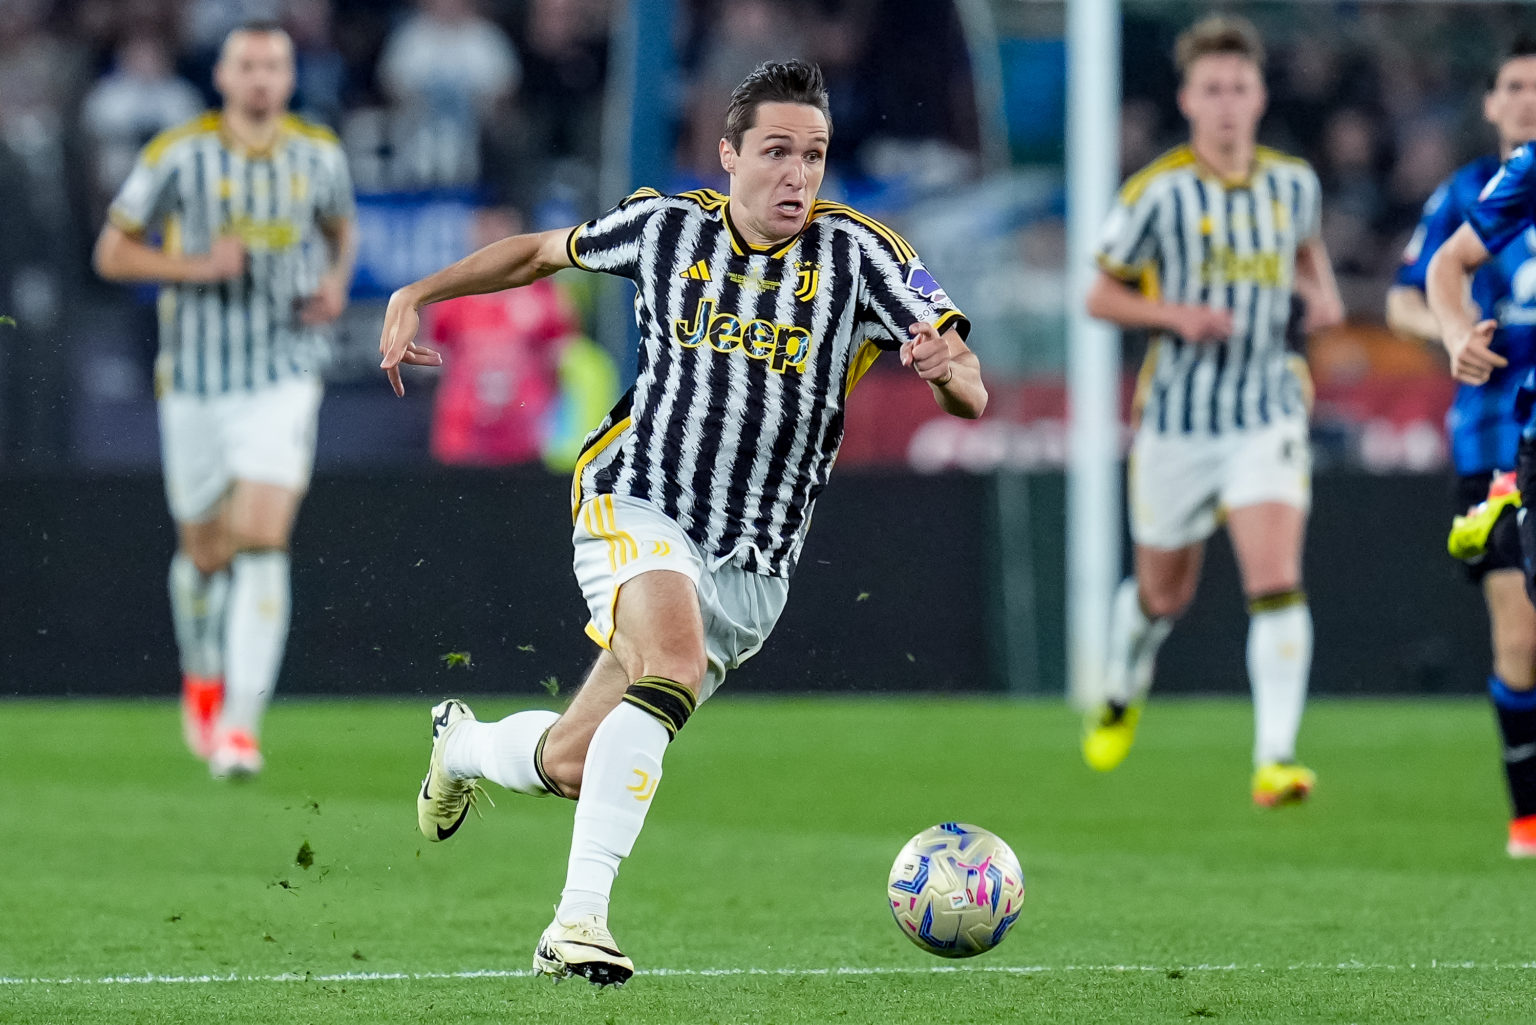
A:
{"points": [[1093, 348]]}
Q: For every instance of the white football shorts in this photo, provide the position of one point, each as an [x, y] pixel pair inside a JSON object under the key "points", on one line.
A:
{"points": [[1180, 485], [207, 442], [617, 538]]}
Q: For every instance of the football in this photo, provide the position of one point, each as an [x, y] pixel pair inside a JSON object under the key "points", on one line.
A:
{"points": [[956, 889]]}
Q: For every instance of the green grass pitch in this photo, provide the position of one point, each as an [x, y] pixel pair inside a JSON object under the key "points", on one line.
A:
{"points": [[134, 889]]}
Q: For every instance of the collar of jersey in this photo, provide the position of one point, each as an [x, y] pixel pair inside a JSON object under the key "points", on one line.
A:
{"points": [[1240, 181], [237, 146], [772, 250]]}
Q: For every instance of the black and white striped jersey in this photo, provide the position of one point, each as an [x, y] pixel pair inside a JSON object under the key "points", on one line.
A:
{"points": [[1182, 234], [747, 357], [194, 183]]}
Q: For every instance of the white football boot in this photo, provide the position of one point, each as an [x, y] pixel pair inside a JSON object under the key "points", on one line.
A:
{"points": [[444, 801], [584, 947]]}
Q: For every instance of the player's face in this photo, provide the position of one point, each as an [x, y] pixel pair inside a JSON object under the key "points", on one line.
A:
{"points": [[1510, 105], [255, 73], [1223, 99], [778, 170]]}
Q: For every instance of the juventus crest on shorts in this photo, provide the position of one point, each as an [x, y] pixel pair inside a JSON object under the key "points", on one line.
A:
{"points": [[747, 356]]}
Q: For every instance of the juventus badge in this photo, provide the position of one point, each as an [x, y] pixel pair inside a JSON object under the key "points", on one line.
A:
{"points": [[807, 277]]}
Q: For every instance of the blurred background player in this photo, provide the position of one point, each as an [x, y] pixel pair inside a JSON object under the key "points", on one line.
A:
{"points": [[519, 361], [759, 313], [245, 218], [1207, 247], [1501, 218], [1481, 422]]}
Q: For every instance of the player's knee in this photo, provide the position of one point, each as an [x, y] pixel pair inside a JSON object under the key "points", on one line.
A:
{"points": [[684, 665], [1167, 600], [210, 555]]}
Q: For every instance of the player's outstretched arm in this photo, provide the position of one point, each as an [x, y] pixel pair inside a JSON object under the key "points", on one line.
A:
{"points": [[1448, 284], [1113, 300], [518, 260], [950, 368], [120, 256], [1408, 313]]}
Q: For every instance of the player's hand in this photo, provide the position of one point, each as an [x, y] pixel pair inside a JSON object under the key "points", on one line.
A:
{"points": [[1472, 357], [327, 302], [225, 259], [1199, 323], [397, 342], [927, 353]]}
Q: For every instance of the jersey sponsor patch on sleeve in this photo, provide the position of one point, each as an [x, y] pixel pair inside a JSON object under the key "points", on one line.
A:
{"points": [[925, 285]]}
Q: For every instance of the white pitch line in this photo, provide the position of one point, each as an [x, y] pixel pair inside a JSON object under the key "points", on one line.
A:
{"points": [[707, 973]]}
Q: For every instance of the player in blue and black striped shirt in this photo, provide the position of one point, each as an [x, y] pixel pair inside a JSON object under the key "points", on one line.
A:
{"points": [[1477, 233]]}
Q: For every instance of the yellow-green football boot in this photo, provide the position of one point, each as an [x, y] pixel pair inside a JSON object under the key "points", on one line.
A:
{"points": [[1468, 539], [1108, 733], [1277, 783]]}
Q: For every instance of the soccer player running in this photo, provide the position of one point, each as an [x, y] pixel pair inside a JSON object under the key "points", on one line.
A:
{"points": [[1209, 247], [1484, 429], [245, 218], [1492, 344], [759, 311]]}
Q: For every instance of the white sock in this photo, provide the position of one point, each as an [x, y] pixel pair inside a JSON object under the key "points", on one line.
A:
{"points": [[1133, 643], [618, 783], [501, 752], [197, 611], [1279, 662], [256, 632]]}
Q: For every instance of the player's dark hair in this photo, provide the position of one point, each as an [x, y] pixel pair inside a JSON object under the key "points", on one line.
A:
{"points": [[791, 81], [1523, 45], [1218, 34]]}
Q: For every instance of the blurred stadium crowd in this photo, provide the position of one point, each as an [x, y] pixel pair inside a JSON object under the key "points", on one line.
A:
{"points": [[502, 103]]}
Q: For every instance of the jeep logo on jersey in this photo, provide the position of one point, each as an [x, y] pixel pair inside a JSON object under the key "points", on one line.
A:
{"points": [[784, 346], [923, 283]]}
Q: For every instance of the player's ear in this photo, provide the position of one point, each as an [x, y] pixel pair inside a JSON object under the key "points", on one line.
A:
{"points": [[727, 156]]}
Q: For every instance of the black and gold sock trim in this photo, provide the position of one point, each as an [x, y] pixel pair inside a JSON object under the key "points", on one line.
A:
{"points": [[667, 701], [1276, 601], [538, 766]]}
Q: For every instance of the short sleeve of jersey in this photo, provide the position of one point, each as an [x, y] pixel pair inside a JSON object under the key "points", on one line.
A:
{"points": [[1436, 224], [1309, 218], [1504, 209], [334, 200], [146, 195], [898, 291], [1128, 241], [611, 243]]}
